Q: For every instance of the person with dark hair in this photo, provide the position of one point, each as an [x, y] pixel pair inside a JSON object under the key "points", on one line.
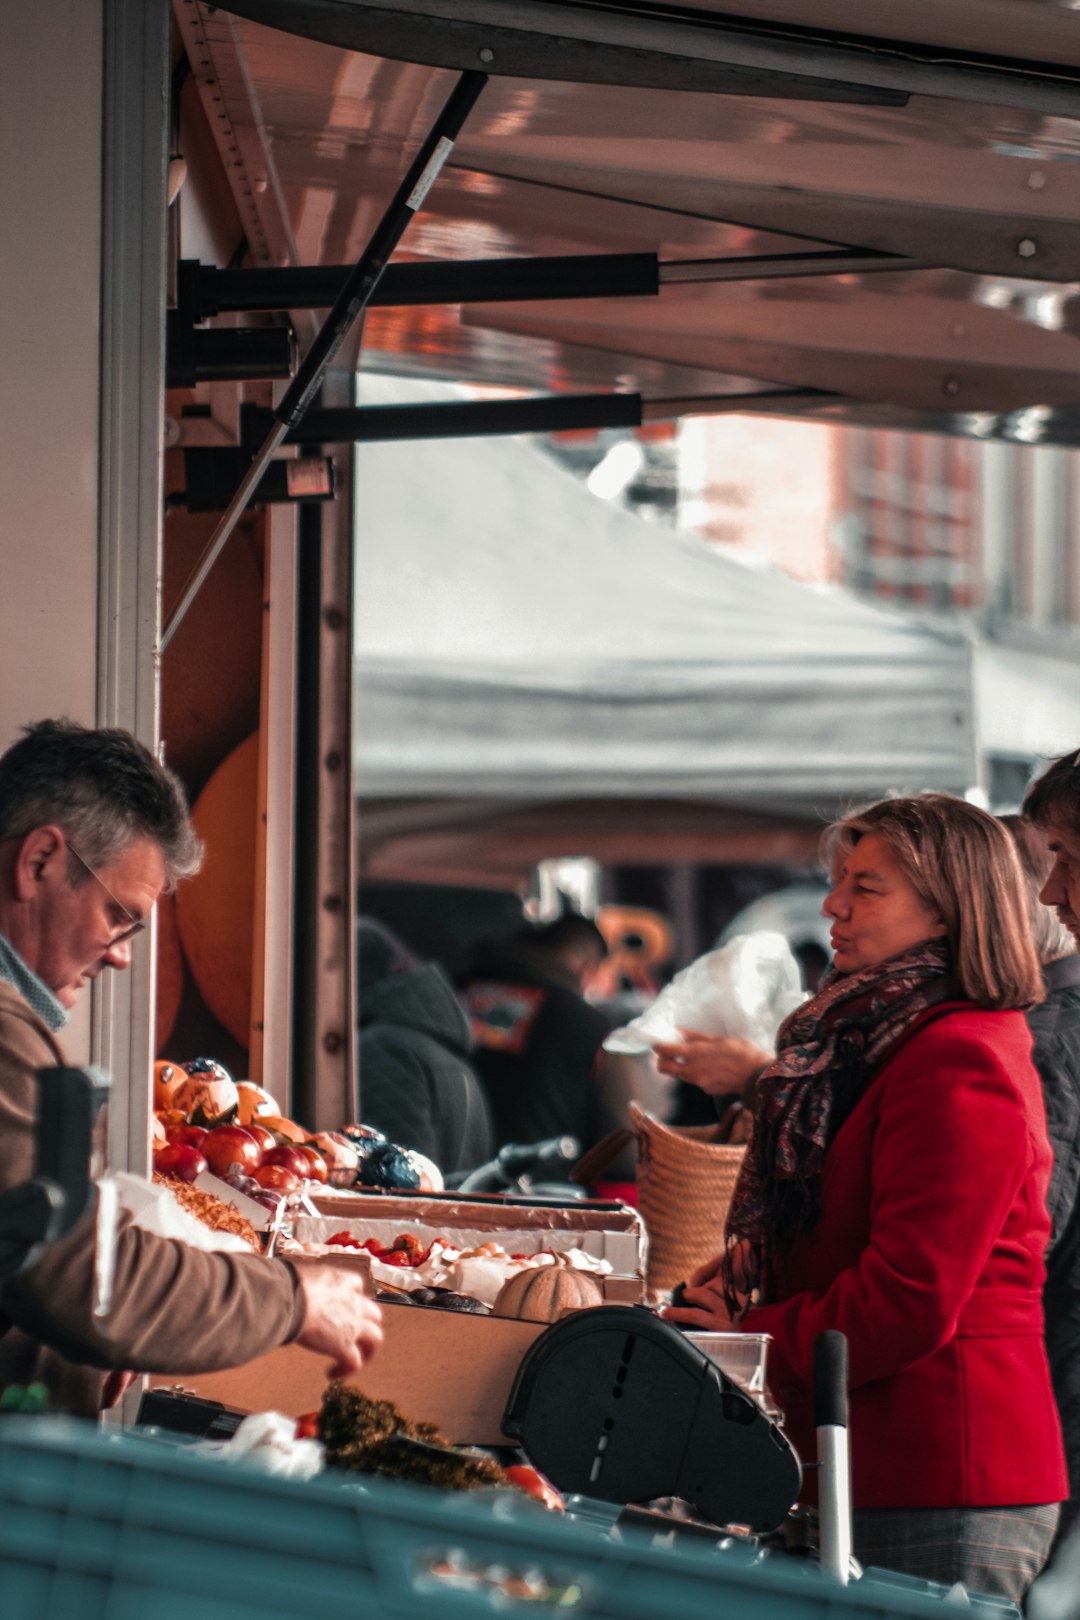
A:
{"points": [[895, 1189], [539, 1042], [92, 830], [1055, 1026], [413, 1047]]}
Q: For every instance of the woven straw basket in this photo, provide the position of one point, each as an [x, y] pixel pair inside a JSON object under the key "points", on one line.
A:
{"points": [[685, 1179]]}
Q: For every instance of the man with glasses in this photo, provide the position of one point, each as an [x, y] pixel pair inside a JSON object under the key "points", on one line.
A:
{"points": [[92, 830]]}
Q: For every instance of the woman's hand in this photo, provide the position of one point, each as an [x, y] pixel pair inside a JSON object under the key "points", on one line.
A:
{"points": [[716, 1064], [701, 1300], [702, 1304]]}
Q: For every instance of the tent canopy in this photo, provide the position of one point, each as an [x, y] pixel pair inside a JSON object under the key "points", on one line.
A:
{"points": [[519, 638]]}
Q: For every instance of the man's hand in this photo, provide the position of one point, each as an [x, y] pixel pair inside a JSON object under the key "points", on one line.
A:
{"points": [[716, 1064], [340, 1319]]}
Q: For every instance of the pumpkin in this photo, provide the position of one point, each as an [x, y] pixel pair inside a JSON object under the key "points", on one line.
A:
{"points": [[168, 1077], [254, 1102], [286, 1130], [543, 1293], [207, 1094]]}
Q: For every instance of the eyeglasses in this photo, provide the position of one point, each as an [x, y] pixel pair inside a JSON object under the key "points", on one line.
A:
{"points": [[134, 925]]}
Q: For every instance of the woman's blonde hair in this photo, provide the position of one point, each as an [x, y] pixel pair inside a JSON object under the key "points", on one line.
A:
{"points": [[963, 865]]}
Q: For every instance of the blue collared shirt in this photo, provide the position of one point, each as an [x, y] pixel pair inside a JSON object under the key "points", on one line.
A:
{"points": [[38, 996]]}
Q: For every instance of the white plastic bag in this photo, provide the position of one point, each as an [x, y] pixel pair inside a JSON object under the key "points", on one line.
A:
{"points": [[746, 988], [267, 1441]]}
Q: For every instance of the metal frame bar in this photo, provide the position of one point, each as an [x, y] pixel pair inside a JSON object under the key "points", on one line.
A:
{"points": [[675, 51], [351, 301], [133, 237], [460, 419], [205, 291]]}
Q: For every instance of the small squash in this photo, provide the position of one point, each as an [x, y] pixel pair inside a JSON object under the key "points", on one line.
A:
{"points": [[168, 1078], [543, 1293], [284, 1130], [254, 1103], [207, 1095]]}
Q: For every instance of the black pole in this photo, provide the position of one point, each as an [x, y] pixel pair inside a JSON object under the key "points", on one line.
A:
{"points": [[352, 299]]}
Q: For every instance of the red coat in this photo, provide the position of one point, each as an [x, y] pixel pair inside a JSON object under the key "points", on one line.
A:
{"points": [[929, 1257]]}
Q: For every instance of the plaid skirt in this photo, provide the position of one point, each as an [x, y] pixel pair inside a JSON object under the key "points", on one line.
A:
{"points": [[997, 1550]]}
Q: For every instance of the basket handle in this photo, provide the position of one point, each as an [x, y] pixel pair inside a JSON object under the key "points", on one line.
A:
{"points": [[591, 1166]]}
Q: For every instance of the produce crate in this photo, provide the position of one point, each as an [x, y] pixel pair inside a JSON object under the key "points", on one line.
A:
{"points": [[96, 1527]]}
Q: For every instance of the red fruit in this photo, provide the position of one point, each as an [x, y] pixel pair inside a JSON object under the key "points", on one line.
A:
{"points": [[533, 1483], [290, 1158], [230, 1145], [180, 1160], [192, 1135], [266, 1139], [276, 1176], [316, 1170]]}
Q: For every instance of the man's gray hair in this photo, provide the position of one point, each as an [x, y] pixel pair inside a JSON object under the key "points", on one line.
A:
{"points": [[103, 789], [1052, 938]]}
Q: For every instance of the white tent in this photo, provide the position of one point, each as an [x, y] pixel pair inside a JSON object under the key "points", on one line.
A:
{"points": [[518, 637]]}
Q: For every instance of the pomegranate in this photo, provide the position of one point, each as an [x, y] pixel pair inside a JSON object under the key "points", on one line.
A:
{"points": [[276, 1178], [179, 1159], [290, 1158], [230, 1145], [266, 1139]]}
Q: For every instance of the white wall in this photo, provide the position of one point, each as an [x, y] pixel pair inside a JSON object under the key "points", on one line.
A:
{"points": [[50, 272]]}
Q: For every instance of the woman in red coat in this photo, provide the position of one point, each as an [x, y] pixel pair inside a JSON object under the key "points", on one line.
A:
{"points": [[895, 1189]]}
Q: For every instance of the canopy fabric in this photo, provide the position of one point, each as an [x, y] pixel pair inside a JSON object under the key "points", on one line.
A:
{"points": [[517, 636]]}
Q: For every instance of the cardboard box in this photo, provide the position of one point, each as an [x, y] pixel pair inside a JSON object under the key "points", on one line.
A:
{"points": [[437, 1366], [606, 1231]]}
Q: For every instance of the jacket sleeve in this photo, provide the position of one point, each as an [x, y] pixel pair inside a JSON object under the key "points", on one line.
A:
{"points": [[176, 1309], [950, 1153]]}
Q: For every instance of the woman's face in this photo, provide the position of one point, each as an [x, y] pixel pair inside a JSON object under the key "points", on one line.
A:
{"points": [[875, 911]]}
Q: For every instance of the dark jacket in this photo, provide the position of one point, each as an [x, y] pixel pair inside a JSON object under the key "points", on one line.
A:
{"points": [[538, 1052], [1055, 1026], [416, 1082]]}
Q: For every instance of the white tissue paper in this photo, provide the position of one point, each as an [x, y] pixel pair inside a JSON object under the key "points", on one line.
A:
{"points": [[746, 988]]}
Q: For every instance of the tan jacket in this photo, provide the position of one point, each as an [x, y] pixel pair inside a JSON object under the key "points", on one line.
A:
{"points": [[175, 1309]]}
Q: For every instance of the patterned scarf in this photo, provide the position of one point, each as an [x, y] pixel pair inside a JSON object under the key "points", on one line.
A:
{"points": [[828, 1050]]}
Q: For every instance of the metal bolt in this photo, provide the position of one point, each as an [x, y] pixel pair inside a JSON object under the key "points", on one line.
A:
{"points": [[1036, 180], [332, 1042], [333, 618], [487, 55], [333, 760], [1027, 247], [950, 387], [260, 182], [332, 903]]}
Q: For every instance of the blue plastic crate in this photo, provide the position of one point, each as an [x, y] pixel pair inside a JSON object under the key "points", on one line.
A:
{"points": [[98, 1527]]}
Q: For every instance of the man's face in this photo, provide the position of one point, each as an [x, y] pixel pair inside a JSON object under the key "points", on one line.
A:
{"points": [[1061, 890], [79, 926]]}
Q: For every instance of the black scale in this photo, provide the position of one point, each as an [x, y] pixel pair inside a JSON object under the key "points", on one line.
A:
{"points": [[615, 1403]]}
